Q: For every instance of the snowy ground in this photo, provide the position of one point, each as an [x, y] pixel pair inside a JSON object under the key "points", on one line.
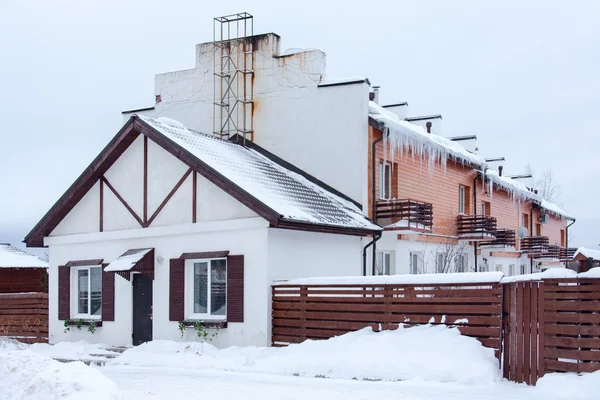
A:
{"points": [[427, 362]]}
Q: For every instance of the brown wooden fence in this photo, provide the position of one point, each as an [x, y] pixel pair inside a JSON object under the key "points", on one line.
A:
{"points": [[303, 312], [24, 316]]}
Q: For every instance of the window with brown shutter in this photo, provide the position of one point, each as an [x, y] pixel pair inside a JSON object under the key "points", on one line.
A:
{"points": [[64, 292], [108, 295], [176, 289], [235, 289]]}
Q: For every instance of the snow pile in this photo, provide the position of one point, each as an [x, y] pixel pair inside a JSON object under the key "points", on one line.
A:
{"points": [[554, 209], [12, 257], [466, 277], [569, 385], [516, 190], [432, 353], [592, 273], [26, 375], [71, 350], [402, 137]]}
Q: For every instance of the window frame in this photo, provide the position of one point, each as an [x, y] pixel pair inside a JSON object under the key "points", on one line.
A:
{"points": [[412, 267], [383, 194], [462, 260], [383, 254], [437, 262], [189, 290], [74, 279], [461, 199]]}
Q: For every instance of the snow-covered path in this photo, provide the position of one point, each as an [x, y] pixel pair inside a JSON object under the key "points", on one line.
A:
{"points": [[175, 383]]}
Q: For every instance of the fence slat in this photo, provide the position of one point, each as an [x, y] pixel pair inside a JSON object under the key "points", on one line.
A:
{"points": [[24, 316]]}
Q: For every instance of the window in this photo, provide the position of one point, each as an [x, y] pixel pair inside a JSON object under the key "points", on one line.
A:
{"points": [[207, 289], [523, 269], [511, 269], [486, 208], [383, 263], [538, 229], [526, 220], [463, 199], [385, 181], [500, 267], [416, 262], [440, 263], [462, 261], [88, 289], [563, 240]]}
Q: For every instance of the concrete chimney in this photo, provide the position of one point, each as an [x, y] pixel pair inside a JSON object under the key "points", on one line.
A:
{"points": [[500, 168], [376, 94]]}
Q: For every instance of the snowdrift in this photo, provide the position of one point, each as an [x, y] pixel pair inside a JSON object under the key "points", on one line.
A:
{"points": [[29, 376], [431, 353]]}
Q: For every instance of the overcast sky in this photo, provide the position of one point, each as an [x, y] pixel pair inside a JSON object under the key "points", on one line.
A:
{"points": [[524, 76]]}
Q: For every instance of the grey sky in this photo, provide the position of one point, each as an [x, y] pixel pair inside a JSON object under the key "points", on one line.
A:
{"points": [[523, 76]]}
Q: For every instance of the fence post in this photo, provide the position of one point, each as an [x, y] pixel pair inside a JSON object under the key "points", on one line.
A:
{"points": [[303, 299], [541, 322]]}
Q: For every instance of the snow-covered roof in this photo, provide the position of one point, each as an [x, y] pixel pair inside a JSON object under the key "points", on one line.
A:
{"points": [[588, 253], [287, 193], [554, 209], [12, 257], [127, 261], [404, 136]]}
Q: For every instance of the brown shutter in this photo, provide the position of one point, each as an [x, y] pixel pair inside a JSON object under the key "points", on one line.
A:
{"points": [[176, 289], [235, 289], [64, 293], [108, 295]]}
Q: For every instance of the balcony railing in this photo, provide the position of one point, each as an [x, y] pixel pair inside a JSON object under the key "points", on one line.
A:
{"points": [[405, 215], [535, 244], [552, 252], [504, 237], [476, 227], [567, 253]]}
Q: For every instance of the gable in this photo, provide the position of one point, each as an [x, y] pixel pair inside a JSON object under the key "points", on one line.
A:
{"points": [[145, 187]]}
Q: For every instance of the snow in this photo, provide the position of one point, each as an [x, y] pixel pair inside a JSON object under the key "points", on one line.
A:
{"points": [[171, 122], [72, 350], [126, 262], [289, 194], [592, 273], [551, 273], [12, 257], [407, 224], [569, 385], [466, 277], [402, 136], [430, 353], [554, 209], [588, 253], [27, 375]]}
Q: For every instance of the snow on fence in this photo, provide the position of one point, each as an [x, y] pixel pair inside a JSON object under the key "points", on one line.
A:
{"points": [[24, 317], [323, 310]]}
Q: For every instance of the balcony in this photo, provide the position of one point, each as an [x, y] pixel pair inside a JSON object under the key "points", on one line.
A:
{"points": [[405, 215], [504, 238], [567, 253], [476, 227], [551, 252], [535, 244]]}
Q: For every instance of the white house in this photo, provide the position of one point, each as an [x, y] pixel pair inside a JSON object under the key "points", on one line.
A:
{"points": [[170, 225]]}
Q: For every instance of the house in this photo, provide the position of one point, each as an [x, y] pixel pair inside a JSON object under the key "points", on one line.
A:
{"points": [[586, 259], [21, 272], [445, 209], [168, 225]]}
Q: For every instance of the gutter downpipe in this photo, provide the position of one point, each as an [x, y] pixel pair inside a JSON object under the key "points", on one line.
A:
{"points": [[373, 209], [567, 234], [475, 213]]}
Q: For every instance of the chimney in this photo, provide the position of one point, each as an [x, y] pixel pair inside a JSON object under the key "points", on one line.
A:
{"points": [[428, 126], [376, 94], [500, 168]]}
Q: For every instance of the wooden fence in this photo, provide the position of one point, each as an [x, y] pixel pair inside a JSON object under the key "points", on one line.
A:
{"points": [[24, 317], [303, 312], [545, 326]]}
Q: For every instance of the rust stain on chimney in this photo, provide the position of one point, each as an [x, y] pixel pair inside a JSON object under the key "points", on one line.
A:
{"points": [[254, 107]]}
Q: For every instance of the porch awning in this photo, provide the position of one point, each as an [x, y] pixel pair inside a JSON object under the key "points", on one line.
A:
{"points": [[135, 260]]}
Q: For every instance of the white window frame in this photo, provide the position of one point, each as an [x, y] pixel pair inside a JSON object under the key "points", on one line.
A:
{"points": [[437, 262], [414, 269], [75, 292], [380, 260], [461, 199], [189, 291], [383, 194], [511, 269], [462, 262]]}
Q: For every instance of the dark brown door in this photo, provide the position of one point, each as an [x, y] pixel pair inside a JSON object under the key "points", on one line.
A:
{"points": [[142, 309]]}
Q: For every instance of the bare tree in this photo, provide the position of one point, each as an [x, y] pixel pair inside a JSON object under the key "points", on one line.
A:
{"points": [[545, 183], [447, 254]]}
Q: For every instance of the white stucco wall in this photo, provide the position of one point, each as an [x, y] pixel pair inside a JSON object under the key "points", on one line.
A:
{"points": [[322, 130], [247, 237]]}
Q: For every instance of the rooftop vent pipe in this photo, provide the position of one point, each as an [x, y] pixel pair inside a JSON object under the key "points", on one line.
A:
{"points": [[500, 168], [376, 94], [428, 126]]}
